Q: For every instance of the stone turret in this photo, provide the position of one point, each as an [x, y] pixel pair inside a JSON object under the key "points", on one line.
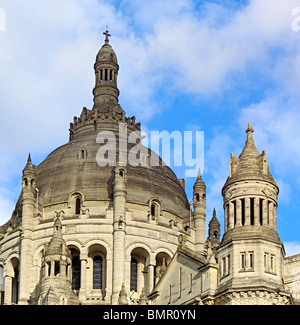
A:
{"points": [[106, 72], [250, 192], [106, 112], [199, 203], [214, 231], [56, 274], [28, 204], [250, 252]]}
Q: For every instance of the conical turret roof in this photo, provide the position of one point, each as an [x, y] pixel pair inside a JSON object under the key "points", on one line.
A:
{"points": [[250, 164]]}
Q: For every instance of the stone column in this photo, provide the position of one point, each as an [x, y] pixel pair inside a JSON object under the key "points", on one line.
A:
{"points": [[150, 277], [226, 211], [256, 212], [265, 212], [231, 215], [82, 290], [8, 290], [271, 215], [247, 211], [238, 212], [119, 232]]}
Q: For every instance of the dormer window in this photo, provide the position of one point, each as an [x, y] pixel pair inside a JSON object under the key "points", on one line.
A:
{"points": [[155, 208]]}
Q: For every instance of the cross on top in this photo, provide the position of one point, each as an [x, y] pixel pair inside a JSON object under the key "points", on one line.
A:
{"points": [[106, 38], [250, 129]]}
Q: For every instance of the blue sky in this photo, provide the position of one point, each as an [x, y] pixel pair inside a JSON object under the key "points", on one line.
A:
{"points": [[212, 66]]}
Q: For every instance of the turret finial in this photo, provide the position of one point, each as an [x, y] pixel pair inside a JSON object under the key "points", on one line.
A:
{"points": [[106, 33], [250, 129]]}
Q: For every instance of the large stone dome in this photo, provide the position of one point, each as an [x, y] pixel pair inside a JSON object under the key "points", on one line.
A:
{"points": [[73, 167]]}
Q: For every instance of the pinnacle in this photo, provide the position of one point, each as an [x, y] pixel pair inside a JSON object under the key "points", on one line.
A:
{"points": [[250, 148]]}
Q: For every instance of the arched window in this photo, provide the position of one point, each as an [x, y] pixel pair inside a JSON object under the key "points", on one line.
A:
{"points": [[153, 210], [76, 270], [15, 286], [133, 274], [78, 205], [197, 197], [97, 272]]}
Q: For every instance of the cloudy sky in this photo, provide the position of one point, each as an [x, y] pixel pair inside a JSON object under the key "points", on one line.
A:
{"points": [[211, 66]]}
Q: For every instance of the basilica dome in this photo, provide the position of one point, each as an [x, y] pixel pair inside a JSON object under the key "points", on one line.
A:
{"points": [[73, 167]]}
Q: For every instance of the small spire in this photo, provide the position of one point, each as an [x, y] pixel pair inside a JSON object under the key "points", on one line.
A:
{"points": [[28, 166], [199, 181], [106, 36], [199, 173], [250, 149]]}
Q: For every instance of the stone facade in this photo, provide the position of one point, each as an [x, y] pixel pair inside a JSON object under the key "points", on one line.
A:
{"points": [[83, 233]]}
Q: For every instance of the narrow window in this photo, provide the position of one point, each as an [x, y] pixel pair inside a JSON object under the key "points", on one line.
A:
{"points": [[243, 211], [251, 260], [56, 268], [101, 75], [133, 274], [78, 205], [76, 270], [153, 210], [228, 265], [243, 261], [97, 272], [252, 211], [268, 212], [272, 268], [234, 212], [82, 154], [110, 76], [197, 197], [224, 265], [261, 211], [106, 74], [266, 261], [15, 286]]}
